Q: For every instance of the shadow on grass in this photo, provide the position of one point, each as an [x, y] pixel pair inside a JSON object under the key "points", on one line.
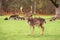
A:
{"points": [[36, 36]]}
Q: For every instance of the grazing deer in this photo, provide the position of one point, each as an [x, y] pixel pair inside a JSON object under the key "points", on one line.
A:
{"points": [[16, 17], [53, 19], [6, 18], [21, 18]]}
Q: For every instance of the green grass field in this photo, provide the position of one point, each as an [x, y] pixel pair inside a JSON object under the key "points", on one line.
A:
{"points": [[19, 30]]}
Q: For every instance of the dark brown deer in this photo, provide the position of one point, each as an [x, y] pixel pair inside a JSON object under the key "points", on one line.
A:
{"points": [[6, 18], [53, 19], [16, 17]]}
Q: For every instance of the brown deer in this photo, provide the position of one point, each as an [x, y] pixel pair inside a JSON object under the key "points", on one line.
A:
{"points": [[35, 21]]}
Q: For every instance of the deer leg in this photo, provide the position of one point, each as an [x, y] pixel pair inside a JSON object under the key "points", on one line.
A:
{"points": [[42, 29], [32, 29]]}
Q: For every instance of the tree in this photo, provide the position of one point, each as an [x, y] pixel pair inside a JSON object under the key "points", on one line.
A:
{"points": [[41, 6], [57, 8]]}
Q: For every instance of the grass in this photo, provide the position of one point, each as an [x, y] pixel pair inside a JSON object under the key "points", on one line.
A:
{"points": [[19, 30]]}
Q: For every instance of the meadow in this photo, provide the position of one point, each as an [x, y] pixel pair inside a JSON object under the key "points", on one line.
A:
{"points": [[20, 30]]}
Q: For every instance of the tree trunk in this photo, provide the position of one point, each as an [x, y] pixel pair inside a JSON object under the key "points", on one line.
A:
{"points": [[57, 15], [57, 9]]}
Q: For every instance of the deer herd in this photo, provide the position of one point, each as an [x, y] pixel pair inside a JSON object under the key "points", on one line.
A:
{"points": [[31, 21]]}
